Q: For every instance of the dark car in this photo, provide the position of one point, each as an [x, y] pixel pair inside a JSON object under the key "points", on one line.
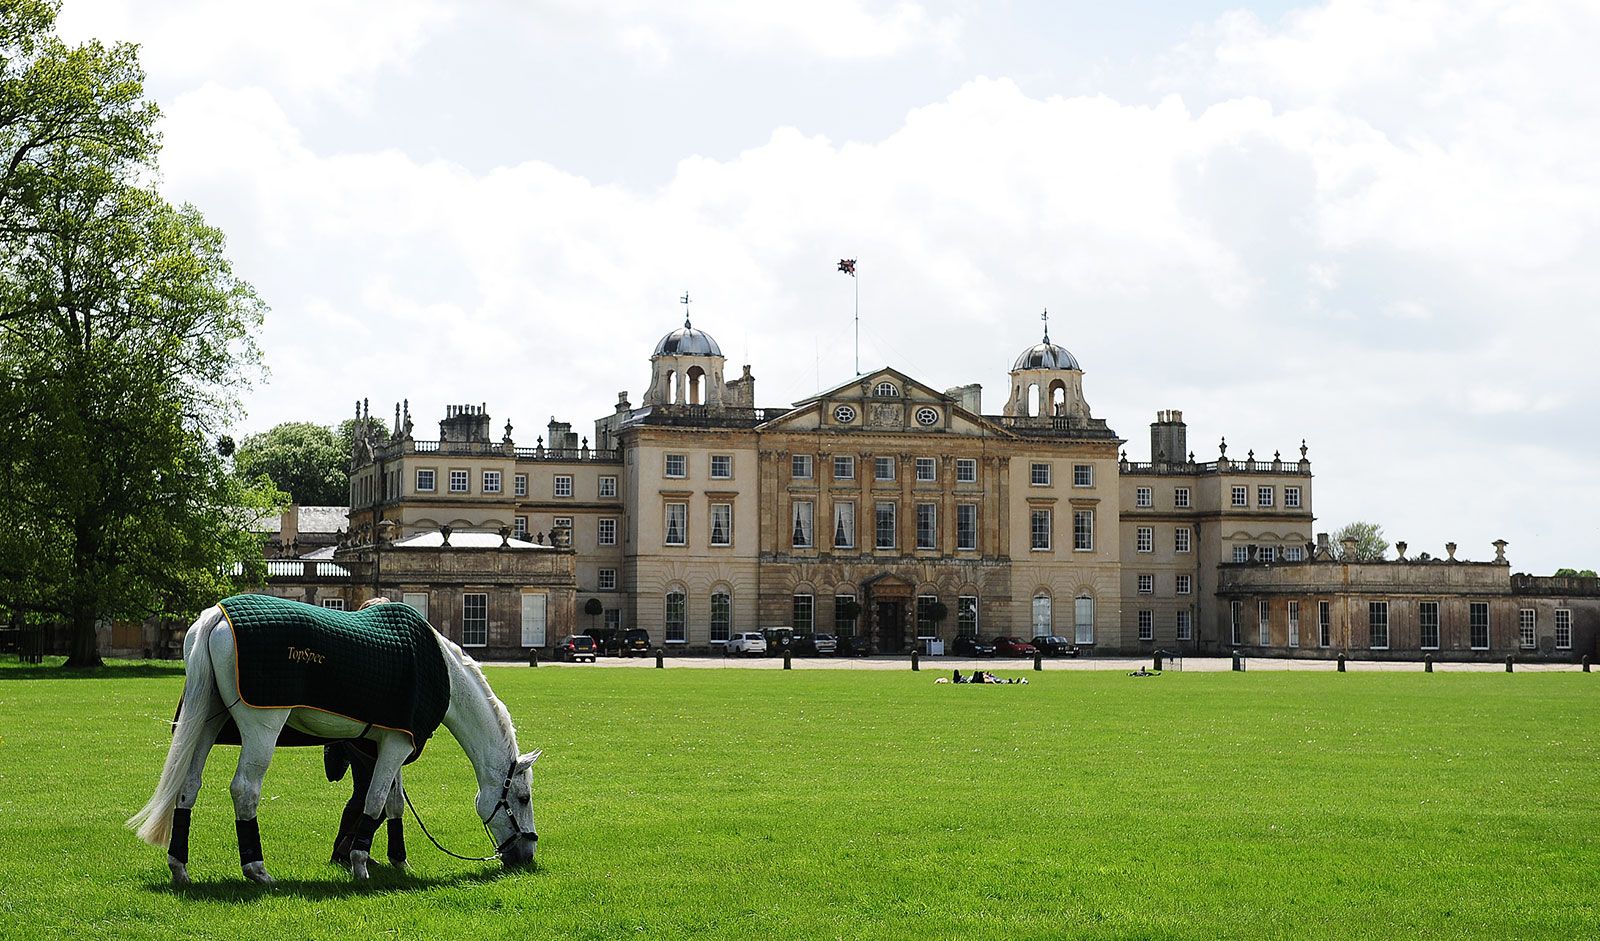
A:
{"points": [[635, 641], [779, 639], [1013, 647], [853, 645], [966, 646], [576, 648], [1054, 645], [814, 645]]}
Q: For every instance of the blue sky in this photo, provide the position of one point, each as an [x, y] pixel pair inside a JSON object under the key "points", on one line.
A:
{"points": [[1371, 226]]}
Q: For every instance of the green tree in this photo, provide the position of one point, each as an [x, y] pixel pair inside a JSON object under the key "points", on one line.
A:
{"points": [[1575, 573], [305, 460], [1370, 544], [125, 340]]}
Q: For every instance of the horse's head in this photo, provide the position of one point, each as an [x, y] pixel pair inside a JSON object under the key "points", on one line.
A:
{"points": [[507, 810]]}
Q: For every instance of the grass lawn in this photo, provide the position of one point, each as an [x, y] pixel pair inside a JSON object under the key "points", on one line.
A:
{"points": [[746, 803]]}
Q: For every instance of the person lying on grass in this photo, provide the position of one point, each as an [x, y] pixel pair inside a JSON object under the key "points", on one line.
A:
{"points": [[980, 676]]}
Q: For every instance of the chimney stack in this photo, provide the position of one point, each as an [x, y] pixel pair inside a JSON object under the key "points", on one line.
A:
{"points": [[1169, 437]]}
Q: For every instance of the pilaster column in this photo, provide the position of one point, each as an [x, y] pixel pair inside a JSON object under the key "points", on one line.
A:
{"points": [[904, 471]]}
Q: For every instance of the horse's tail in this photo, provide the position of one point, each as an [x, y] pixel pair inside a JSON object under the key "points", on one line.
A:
{"points": [[153, 822]]}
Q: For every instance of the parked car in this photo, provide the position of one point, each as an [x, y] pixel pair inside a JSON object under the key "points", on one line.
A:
{"points": [[1054, 645], [602, 637], [576, 648], [1013, 647], [853, 645], [814, 645], [966, 646], [622, 642], [779, 639], [749, 643]]}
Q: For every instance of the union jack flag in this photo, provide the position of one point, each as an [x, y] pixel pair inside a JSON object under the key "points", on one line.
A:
{"points": [[848, 266]]}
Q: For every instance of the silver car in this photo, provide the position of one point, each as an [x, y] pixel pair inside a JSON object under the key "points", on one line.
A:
{"points": [[751, 642]]}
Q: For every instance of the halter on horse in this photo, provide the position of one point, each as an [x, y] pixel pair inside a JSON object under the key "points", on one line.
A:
{"points": [[212, 695]]}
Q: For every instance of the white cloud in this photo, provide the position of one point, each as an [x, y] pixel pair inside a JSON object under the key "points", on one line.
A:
{"points": [[1376, 231], [301, 47], [833, 29]]}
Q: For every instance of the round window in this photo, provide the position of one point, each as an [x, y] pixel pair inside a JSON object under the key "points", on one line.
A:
{"points": [[927, 416], [844, 414]]}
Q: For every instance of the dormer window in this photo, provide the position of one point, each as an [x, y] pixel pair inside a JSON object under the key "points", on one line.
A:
{"points": [[885, 390]]}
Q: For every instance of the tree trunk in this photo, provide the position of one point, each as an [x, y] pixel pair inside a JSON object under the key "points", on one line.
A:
{"points": [[84, 652]]}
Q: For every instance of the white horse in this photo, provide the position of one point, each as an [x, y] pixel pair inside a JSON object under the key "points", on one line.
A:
{"points": [[477, 719]]}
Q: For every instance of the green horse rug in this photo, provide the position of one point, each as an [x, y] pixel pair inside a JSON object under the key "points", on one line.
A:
{"points": [[381, 666]]}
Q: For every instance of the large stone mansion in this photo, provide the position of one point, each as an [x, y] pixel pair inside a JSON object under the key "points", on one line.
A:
{"points": [[890, 511]]}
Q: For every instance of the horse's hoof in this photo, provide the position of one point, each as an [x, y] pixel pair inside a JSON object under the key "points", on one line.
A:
{"points": [[398, 862], [358, 865], [180, 872], [257, 872]]}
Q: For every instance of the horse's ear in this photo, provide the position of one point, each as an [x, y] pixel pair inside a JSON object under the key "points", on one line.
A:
{"points": [[526, 761]]}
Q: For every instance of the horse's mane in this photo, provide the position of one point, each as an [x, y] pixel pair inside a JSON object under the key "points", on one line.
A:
{"points": [[508, 731]]}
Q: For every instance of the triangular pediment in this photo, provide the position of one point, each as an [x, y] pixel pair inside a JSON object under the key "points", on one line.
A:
{"points": [[885, 400]]}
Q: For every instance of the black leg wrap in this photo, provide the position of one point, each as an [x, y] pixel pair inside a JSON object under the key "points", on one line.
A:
{"points": [[178, 846], [397, 842], [249, 841], [350, 818], [365, 828]]}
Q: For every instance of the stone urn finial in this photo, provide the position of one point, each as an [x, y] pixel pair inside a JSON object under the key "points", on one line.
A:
{"points": [[444, 533], [1400, 549], [1450, 548], [1500, 552]]}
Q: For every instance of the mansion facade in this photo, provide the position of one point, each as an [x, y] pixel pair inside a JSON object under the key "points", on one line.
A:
{"points": [[894, 514], [882, 509]]}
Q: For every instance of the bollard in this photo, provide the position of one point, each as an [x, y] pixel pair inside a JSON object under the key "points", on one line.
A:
{"points": [[1238, 665], [533, 658], [1508, 663], [661, 661], [916, 662], [1341, 663], [1427, 664], [1586, 663], [1038, 661], [1158, 660], [786, 659]]}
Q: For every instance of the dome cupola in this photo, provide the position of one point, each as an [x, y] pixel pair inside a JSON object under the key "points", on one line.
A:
{"points": [[1047, 382], [687, 341], [1044, 354], [686, 367]]}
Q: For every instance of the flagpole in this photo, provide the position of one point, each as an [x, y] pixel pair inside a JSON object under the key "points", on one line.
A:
{"points": [[848, 266]]}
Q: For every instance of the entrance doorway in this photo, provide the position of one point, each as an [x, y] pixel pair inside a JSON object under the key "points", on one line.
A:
{"points": [[891, 627]]}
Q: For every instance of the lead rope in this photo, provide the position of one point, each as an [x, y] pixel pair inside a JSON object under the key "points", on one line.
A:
{"points": [[418, 818]]}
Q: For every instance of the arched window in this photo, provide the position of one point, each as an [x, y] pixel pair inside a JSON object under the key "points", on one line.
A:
{"points": [[1083, 619], [1058, 398], [696, 377], [721, 615], [677, 622], [886, 390], [1034, 407], [672, 386], [1041, 615]]}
